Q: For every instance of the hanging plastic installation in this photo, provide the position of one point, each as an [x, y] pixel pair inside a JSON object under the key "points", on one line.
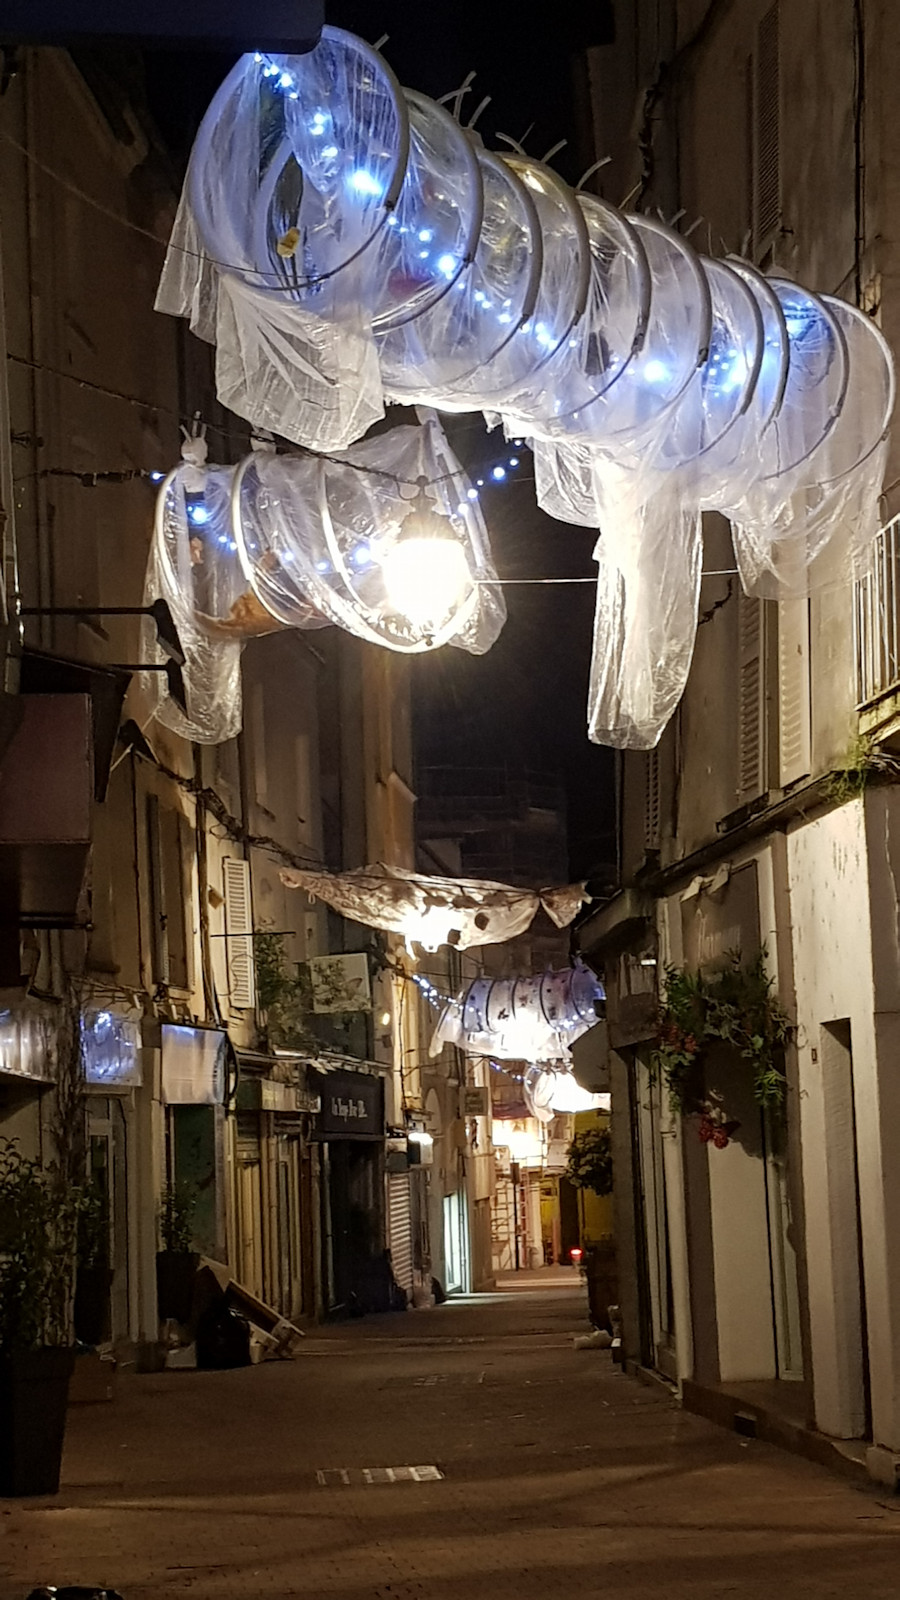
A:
{"points": [[522, 1019], [344, 243], [386, 541]]}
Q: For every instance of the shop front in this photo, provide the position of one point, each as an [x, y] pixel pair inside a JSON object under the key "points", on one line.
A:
{"points": [[350, 1132]]}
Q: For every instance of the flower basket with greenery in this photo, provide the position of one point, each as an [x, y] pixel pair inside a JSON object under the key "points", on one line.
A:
{"points": [[38, 1230], [734, 1006], [589, 1161]]}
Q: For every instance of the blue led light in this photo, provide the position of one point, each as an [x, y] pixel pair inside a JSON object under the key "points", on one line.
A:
{"points": [[157, 477], [656, 372], [447, 264], [198, 513], [498, 473], [426, 235], [365, 184], [472, 494], [322, 566], [514, 461], [286, 81]]}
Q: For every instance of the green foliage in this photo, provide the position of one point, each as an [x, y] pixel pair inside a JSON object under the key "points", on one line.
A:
{"points": [[39, 1213], [848, 781], [176, 1217], [735, 1006], [284, 997], [589, 1161]]}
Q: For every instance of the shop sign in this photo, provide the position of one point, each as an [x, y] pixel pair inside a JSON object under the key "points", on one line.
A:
{"points": [[476, 1103], [720, 918], [352, 1105]]}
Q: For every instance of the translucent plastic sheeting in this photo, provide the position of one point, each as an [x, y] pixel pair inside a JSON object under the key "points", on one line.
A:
{"points": [[193, 565], [347, 537], [431, 236], [506, 376], [432, 911], [296, 168], [645, 622], [606, 337], [491, 299], [823, 536], [522, 1019]]}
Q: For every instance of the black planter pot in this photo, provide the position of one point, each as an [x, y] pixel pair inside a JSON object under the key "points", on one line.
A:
{"points": [[175, 1273], [91, 1308], [34, 1393]]}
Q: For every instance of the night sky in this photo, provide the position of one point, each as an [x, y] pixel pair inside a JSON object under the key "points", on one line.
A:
{"points": [[524, 703]]}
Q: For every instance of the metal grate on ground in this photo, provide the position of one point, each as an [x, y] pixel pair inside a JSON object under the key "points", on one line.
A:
{"points": [[349, 1477]]}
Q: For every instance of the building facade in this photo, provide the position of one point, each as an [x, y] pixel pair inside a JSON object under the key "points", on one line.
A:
{"points": [[142, 899], [765, 1273]]}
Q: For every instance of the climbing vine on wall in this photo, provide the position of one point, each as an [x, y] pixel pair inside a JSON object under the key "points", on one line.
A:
{"points": [[734, 1006]]}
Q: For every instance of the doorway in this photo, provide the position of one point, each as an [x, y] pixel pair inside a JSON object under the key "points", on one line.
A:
{"points": [[845, 1224]]}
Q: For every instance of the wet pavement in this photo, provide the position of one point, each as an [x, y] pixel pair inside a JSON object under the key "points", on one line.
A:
{"points": [[552, 1476]]}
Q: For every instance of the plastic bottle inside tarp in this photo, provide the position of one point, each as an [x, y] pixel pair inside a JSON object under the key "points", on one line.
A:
{"points": [[294, 173], [489, 302]]}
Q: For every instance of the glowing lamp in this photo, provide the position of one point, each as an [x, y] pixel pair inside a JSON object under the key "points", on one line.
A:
{"points": [[426, 572]]}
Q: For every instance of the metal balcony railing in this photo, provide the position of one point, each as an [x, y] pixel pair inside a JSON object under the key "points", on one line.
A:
{"points": [[876, 623]]}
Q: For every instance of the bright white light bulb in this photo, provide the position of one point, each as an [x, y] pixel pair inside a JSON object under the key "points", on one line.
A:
{"points": [[364, 183], [656, 372], [425, 578]]}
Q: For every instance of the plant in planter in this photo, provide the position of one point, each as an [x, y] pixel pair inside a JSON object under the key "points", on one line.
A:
{"points": [[176, 1262], [38, 1225], [734, 1006]]}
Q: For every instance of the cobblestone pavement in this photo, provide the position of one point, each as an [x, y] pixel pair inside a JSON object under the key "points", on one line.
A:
{"points": [[561, 1478]]}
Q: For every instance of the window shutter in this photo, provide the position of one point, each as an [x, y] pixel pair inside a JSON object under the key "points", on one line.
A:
{"points": [[752, 701], [793, 691], [239, 933], [651, 801], [766, 133]]}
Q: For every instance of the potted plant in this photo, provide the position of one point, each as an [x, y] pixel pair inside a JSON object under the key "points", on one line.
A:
{"points": [[177, 1261], [93, 1277], [589, 1166], [38, 1224]]}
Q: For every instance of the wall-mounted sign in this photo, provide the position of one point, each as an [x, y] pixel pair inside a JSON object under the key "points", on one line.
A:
{"points": [[340, 983], [352, 1105], [111, 1047], [476, 1103], [193, 1065]]}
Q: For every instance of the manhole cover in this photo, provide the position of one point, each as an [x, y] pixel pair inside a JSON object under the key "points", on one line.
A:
{"points": [[337, 1477]]}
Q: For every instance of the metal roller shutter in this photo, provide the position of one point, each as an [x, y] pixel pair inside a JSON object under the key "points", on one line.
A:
{"points": [[399, 1229]]}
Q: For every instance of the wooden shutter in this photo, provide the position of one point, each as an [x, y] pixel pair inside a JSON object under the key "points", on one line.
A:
{"points": [[766, 133], [651, 801], [752, 699], [238, 933], [174, 834], [793, 691]]}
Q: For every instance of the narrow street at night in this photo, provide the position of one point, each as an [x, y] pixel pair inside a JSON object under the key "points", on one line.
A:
{"points": [[561, 1476]]}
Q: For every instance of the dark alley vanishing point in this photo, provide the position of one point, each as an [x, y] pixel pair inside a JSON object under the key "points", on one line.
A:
{"points": [[559, 1477]]}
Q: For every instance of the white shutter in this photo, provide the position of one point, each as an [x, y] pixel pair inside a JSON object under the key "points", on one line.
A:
{"points": [[793, 691], [651, 800], [752, 699], [400, 1229], [766, 133], [238, 933]]}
